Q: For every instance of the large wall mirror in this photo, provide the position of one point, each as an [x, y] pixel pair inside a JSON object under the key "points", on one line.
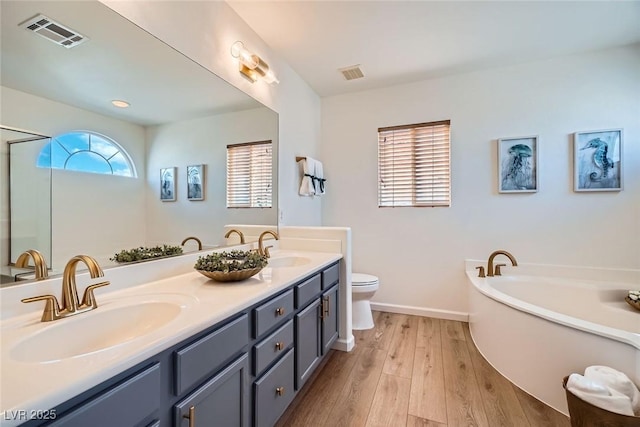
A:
{"points": [[180, 115]]}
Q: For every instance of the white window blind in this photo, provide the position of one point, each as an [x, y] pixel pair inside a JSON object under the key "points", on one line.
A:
{"points": [[249, 175], [414, 165]]}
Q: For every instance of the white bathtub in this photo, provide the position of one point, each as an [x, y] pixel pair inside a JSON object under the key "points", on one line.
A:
{"points": [[536, 329]]}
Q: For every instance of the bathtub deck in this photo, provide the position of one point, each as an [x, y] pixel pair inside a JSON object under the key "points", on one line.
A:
{"points": [[414, 371]]}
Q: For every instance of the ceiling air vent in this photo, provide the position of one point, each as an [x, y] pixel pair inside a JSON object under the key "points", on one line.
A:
{"points": [[53, 31], [351, 73]]}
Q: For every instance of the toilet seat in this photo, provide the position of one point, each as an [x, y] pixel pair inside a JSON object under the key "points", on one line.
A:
{"points": [[361, 279]]}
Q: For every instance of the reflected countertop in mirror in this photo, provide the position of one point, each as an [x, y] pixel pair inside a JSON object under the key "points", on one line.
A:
{"points": [[180, 116]]}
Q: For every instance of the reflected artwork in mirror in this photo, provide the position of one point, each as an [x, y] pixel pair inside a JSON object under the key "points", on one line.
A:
{"points": [[179, 115]]}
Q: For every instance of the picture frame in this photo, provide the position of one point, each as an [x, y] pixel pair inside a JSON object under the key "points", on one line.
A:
{"points": [[518, 164], [168, 184], [597, 160], [195, 182]]}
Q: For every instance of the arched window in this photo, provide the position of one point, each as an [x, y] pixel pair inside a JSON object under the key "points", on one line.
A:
{"points": [[86, 152]]}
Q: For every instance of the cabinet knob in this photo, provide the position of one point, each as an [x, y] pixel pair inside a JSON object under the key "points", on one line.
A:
{"points": [[279, 311], [191, 416], [279, 392], [279, 345]]}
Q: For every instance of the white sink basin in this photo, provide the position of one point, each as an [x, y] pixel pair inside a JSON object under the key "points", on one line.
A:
{"points": [[97, 330], [287, 261]]}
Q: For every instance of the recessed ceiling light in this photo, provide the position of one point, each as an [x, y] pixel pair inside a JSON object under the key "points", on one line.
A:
{"points": [[120, 104]]}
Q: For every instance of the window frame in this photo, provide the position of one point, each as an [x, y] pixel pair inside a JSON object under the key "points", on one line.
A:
{"points": [[119, 150], [427, 158]]}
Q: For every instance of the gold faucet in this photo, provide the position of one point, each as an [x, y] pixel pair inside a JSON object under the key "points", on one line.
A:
{"points": [[70, 302], [38, 261], [192, 238], [238, 232], [490, 270], [261, 249]]}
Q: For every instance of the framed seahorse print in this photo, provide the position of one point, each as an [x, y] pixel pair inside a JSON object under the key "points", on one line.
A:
{"points": [[597, 160], [518, 165]]}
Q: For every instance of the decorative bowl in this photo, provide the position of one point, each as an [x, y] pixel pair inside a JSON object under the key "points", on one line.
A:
{"points": [[230, 266], [231, 276], [635, 304]]}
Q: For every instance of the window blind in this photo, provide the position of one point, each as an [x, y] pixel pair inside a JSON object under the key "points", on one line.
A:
{"points": [[414, 165], [249, 175]]}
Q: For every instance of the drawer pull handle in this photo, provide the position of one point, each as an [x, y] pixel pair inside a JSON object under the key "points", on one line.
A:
{"points": [[191, 416], [279, 345], [324, 308], [279, 311], [279, 392]]}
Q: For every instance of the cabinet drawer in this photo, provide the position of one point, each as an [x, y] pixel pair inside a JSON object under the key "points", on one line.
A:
{"points": [[272, 313], [220, 402], [202, 358], [330, 276], [272, 347], [307, 290], [127, 404], [274, 392]]}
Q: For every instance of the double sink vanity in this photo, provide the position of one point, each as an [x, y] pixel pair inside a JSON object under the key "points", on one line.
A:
{"points": [[177, 351]]}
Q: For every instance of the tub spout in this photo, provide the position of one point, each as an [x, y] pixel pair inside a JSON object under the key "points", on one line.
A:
{"points": [[490, 269]]}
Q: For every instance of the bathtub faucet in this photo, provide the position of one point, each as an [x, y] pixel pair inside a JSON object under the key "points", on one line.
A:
{"points": [[490, 270]]}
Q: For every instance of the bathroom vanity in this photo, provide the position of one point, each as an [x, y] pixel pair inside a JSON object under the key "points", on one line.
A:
{"points": [[264, 339]]}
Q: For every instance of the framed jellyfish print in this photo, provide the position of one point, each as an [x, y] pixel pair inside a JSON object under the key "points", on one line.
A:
{"points": [[518, 165], [597, 160], [195, 182], [168, 184]]}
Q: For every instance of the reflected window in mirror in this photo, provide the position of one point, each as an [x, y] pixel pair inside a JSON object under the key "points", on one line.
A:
{"points": [[250, 175], [86, 152]]}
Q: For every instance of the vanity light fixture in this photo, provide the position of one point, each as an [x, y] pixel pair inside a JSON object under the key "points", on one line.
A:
{"points": [[251, 66], [120, 104]]}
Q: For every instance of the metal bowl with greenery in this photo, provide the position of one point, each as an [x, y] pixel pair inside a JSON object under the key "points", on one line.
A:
{"points": [[633, 299], [144, 253], [230, 266]]}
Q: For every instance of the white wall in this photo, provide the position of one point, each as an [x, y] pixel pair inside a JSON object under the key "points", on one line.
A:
{"points": [[203, 141], [418, 253], [205, 31], [80, 222]]}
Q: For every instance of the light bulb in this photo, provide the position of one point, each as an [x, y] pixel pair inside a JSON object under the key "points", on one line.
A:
{"points": [[270, 77], [248, 59]]}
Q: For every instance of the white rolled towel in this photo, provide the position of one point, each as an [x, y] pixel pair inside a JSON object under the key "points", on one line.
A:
{"points": [[617, 381], [309, 170], [599, 395]]}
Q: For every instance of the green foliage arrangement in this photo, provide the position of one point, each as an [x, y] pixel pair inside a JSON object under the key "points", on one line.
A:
{"points": [[231, 261], [142, 253]]}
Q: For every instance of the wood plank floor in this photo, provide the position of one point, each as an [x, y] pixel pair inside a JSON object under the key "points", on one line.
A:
{"points": [[414, 371]]}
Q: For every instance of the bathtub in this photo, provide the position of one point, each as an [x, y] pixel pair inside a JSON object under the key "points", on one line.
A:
{"points": [[536, 328]]}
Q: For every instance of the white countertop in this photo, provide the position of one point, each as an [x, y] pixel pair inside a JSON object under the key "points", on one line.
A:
{"points": [[40, 386]]}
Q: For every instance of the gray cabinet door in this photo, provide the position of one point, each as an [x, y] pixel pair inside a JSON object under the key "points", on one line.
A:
{"points": [[130, 403], [329, 307], [308, 350], [222, 401]]}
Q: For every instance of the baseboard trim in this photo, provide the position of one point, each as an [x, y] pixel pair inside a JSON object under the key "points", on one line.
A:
{"points": [[344, 344], [421, 311]]}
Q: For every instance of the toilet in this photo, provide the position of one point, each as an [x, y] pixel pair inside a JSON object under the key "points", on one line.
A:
{"points": [[363, 286]]}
